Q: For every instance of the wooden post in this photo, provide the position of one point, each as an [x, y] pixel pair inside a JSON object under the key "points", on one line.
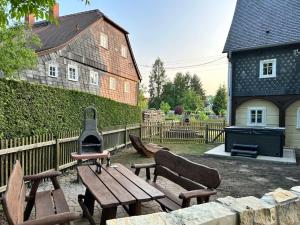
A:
{"points": [[141, 132], [206, 134], [161, 133], [125, 139], [56, 154]]}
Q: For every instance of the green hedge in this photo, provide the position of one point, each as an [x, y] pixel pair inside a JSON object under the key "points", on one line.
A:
{"points": [[29, 109]]}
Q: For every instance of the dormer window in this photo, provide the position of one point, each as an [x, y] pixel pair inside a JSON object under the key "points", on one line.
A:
{"points": [[104, 40], [267, 68]]}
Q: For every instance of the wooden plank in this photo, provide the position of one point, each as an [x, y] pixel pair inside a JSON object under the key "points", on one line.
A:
{"points": [[142, 184], [128, 185], [60, 202], [103, 196], [115, 188], [43, 204]]}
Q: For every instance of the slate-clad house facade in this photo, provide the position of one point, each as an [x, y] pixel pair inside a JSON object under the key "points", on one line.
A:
{"points": [[87, 52], [263, 47]]}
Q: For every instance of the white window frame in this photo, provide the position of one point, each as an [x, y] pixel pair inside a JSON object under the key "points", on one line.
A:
{"points": [[104, 40], [56, 70], [76, 72], [94, 76], [112, 83], [261, 68], [126, 87], [263, 109], [298, 119], [124, 51]]}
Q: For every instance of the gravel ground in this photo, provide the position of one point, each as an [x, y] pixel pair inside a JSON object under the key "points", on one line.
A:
{"points": [[240, 177]]}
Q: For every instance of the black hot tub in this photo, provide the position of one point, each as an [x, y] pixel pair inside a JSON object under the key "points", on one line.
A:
{"points": [[270, 140]]}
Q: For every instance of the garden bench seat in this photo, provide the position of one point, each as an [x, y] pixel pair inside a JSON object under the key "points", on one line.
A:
{"points": [[51, 206], [199, 181]]}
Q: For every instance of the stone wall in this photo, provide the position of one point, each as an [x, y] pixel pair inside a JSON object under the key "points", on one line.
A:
{"points": [[86, 53], [280, 207]]}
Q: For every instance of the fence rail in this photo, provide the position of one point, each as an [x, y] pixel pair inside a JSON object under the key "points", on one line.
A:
{"points": [[45, 152]]}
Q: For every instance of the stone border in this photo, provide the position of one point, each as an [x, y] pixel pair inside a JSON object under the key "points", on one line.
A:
{"points": [[280, 207]]}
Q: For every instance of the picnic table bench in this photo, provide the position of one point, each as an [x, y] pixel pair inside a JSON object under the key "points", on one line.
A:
{"points": [[114, 186], [50, 206], [200, 181]]}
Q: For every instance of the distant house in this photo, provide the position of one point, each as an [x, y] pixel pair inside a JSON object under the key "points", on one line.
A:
{"points": [[263, 47], [88, 52]]}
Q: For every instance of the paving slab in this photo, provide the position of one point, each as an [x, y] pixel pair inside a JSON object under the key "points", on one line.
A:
{"points": [[289, 155]]}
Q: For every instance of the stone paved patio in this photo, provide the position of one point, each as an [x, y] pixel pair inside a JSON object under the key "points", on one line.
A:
{"points": [[240, 177]]}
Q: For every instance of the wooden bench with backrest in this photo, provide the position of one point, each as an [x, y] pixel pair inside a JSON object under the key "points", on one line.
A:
{"points": [[50, 206], [199, 181]]}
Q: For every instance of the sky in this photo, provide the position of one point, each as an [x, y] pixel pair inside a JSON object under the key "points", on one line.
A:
{"points": [[188, 35]]}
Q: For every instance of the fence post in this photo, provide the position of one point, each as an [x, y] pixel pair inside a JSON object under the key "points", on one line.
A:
{"points": [[141, 132], [161, 132], [206, 134], [56, 154], [125, 139], [224, 123]]}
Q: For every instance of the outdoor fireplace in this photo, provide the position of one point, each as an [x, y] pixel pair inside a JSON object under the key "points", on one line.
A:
{"points": [[91, 141]]}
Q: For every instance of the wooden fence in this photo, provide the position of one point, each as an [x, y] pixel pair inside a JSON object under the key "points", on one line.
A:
{"points": [[179, 132], [45, 152]]}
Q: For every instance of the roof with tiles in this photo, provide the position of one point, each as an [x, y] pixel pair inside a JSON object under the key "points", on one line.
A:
{"points": [[263, 23]]}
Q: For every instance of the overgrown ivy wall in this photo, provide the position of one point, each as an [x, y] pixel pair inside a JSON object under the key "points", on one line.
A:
{"points": [[29, 109]]}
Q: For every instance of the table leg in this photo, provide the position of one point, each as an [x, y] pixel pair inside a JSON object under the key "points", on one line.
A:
{"points": [[89, 201], [135, 209], [107, 214]]}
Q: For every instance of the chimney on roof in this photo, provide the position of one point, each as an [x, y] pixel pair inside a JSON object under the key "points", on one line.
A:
{"points": [[54, 11], [30, 19]]}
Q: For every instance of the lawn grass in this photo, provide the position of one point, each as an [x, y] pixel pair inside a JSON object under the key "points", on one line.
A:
{"points": [[129, 156]]}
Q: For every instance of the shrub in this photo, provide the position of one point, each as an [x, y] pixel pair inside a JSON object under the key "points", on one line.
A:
{"points": [[178, 110], [29, 109]]}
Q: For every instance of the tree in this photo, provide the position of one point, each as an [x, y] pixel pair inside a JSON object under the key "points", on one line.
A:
{"points": [[15, 10], [168, 94], [192, 101], [181, 85], [165, 107], [220, 101], [156, 83], [196, 85], [16, 50], [142, 100]]}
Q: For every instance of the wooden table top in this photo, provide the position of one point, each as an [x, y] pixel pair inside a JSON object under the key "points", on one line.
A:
{"points": [[116, 185]]}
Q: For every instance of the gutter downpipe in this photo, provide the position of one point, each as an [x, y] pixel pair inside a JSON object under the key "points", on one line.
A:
{"points": [[229, 91]]}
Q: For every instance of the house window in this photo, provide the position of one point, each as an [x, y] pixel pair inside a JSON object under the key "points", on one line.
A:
{"points": [[126, 87], [53, 70], [94, 78], [112, 83], [267, 68], [104, 40], [256, 116], [123, 51], [72, 72], [298, 119]]}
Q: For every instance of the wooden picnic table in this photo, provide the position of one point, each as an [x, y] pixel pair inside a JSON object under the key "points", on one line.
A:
{"points": [[114, 186]]}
